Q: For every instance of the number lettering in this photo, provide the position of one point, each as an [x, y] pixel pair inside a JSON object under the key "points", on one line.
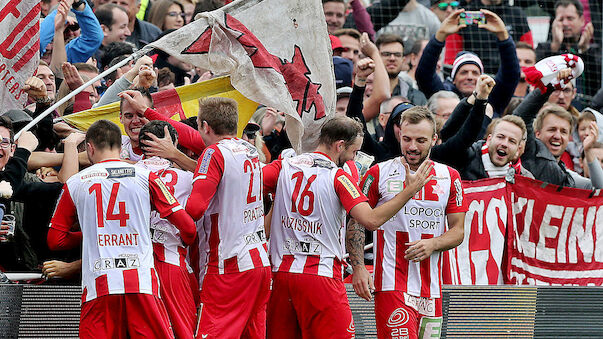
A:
{"points": [[121, 215], [248, 167], [297, 206]]}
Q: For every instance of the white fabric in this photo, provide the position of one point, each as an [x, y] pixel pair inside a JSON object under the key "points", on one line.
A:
{"points": [[127, 151], [280, 26]]}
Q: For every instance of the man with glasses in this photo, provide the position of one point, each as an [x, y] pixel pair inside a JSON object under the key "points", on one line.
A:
{"points": [[443, 8], [391, 47]]}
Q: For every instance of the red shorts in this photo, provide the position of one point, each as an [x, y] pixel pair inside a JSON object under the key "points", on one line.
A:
{"points": [[400, 316], [177, 295], [119, 316], [308, 306], [234, 305]]}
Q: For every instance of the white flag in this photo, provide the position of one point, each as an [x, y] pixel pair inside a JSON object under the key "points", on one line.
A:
{"points": [[19, 46], [277, 53]]}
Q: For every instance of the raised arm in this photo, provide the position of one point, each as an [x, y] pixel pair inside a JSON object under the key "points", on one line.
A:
{"points": [[381, 90]]}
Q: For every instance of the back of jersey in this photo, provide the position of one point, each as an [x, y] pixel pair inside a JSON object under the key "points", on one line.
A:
{"points": [[167, 244], [234, 220], [307, 227], [113, 206]]}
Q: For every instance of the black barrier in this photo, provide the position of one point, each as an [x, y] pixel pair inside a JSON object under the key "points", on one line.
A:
{"points": [[30, 311]]}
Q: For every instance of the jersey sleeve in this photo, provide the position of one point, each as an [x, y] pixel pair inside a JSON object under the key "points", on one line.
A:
{"points": [[456, 201], [187, 136], [352, 169], [270, 174], [370, 185], [210, 168], [347, 190], [162, 200], [60, 235]]}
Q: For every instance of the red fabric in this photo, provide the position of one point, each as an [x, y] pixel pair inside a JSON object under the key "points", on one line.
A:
{"points": [[124, 316], [270, 174], [177, 295], [401, 272], [347, 190], [308, 306], [228, 313], [567, 160], [210, 168], [456, 201], [187, 136], [185, 224], [370, 185], [82, 102], [454, 45], [397, 320], [131, 284], [60, 236], [527, 38], [533, 77]]}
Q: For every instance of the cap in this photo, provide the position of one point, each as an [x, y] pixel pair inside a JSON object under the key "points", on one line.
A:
{"points": [[17, 116], [344, 92], [343, 71], [464, 58], [335, 42]]}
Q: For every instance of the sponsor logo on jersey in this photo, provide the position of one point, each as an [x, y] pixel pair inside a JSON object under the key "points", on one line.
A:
{"points": [[305, 247], [349, 186], [124, 261], [430, 327], [166, 192], [322, 163], [102, 174], [459, 192], [394, 186], [367, 184], [398, 317], [425, 306], [204, 165], [255, 237], [121, 172]]}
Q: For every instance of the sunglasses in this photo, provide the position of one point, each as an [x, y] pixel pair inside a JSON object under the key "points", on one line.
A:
{"points": [[444, 5], [173, 14]]}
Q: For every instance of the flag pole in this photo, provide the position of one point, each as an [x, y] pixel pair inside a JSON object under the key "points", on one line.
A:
{"points": [[32, 123]]}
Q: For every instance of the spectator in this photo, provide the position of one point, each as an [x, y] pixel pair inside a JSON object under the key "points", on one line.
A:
{"points": [[114, 22], [142, 32], [47, 76], [391, 48], [570, 35], [467, 70], [548, 133], [442, 104], [597, 153], [565, 96], [189, 10], [118, 73], [350, 41], [481, 42], [386, 110], [334, 11], [343, 69], [86, 37], [380, 12], [527, 58], [443, 8], [411, 60], [113, 50], [167, 14], [343, 98], [165, 79], [181, 69], [414, 22]]}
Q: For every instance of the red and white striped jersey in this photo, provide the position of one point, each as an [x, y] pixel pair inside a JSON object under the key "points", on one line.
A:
{"points": [[127, 151], [308, 222], [422, 217], [167, 244], [112, 202], [227, 197]]}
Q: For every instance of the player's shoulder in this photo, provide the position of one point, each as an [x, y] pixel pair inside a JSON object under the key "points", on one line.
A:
{"points": [[445, 170]]}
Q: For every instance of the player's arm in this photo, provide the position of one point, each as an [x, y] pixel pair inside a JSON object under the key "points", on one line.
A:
{"points": [[270, 175], [60, 236], [206, 179], [168, 207], [361, 280], [422, 249], [374, 218]]}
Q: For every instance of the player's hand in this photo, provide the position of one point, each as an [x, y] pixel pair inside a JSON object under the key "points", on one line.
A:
{"points": [[450, 25], [135, 99], [46, 172], [419, 250], [161, 147], [422, 176], [71, 76], [35, 88], [367, 47], [484, 86], [364, 68], [587, 35], [495, 25], [146, 77], [363, 282], [28, 141], [54, 269]]}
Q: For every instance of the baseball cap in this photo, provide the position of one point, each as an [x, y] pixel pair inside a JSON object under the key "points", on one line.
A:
{"points": [[344, 92], [17, 116], [343, 71]]}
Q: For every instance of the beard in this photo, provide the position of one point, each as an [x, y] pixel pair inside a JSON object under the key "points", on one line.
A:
{"points": [[415, 162]]}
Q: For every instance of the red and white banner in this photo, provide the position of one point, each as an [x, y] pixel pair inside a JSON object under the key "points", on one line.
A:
{"points": [[527, 234], [19, 45]]}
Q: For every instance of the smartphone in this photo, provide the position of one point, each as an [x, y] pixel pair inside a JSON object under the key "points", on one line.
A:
{"points": [[472, 18]]}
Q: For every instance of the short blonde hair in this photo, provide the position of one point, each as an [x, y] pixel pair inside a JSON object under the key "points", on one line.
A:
{"points": [[556, 110], [221, 114], [416, 114]]}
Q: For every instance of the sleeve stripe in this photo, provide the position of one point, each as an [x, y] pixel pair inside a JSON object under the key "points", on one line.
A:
{"points": [[200, 177], [176, 208]]}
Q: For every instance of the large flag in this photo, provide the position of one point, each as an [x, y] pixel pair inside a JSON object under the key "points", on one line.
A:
{"points": [[277, 53], [19, 45], [179, 103]]}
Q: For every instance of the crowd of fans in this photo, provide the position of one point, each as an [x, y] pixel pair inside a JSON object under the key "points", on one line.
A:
{"points": [[389, 55]]}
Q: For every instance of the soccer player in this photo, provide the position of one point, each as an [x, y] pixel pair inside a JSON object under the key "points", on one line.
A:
{"points": [[112, 201], [312, 197], [178, 291], [408, 247], [227, 193]]}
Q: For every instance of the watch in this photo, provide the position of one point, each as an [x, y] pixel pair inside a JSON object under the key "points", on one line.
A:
{"points": [[77, 4]]}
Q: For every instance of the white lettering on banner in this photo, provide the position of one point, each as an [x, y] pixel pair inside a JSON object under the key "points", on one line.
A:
{"points": [[560, 274], [547, 230], [524, 245]]}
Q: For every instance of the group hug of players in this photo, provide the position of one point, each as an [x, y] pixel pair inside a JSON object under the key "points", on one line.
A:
{"points": [[172, 253]]}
